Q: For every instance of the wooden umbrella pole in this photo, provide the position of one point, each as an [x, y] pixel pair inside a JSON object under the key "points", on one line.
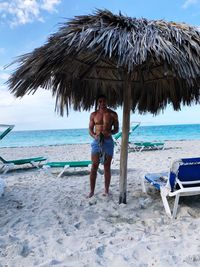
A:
{"points": [[125, 137]]}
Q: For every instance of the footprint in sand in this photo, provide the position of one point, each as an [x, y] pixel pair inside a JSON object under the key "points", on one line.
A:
{"points": [[194, 260], [100, 251], [25, 249], [92, 201]]}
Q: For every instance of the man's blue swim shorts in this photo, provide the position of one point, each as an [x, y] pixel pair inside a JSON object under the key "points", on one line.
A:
{"points": [[107, 146]]}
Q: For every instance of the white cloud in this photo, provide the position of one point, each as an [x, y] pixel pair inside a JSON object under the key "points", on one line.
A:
{"points": [[4, 76], [6, 99], [188, 3], [34, 112], [17, 12], [49, 5]]}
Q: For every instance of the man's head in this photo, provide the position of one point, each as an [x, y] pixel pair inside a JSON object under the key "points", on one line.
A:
{"points": [[101, 102]]}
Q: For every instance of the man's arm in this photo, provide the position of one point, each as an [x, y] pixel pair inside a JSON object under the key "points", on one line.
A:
{"points": [[91, 126], [115, 123]]}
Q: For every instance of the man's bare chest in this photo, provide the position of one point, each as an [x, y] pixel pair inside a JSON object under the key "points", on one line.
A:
{"points": [[103, 118]]}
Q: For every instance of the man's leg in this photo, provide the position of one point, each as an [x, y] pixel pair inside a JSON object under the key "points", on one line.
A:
{"points": [[93, 173], [107, 173]]}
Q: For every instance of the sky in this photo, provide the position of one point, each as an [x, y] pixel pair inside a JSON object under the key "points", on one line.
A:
{"points": [[26, 25]]}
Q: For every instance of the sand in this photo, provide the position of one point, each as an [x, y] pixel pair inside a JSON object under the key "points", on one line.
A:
{"points": [[47, 221]]}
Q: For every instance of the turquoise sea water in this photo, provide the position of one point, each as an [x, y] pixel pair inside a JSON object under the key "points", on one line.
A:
{"points": [[80, 136]]}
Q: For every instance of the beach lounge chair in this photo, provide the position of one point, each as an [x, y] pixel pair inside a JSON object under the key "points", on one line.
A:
{"points": [[182, 180], [7, 165], [66, 164], [117, 140], [140, 146], [6, 131], [117, 136]]}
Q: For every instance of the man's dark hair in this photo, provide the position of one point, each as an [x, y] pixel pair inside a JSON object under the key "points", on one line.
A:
{"points": [[100, 96]]}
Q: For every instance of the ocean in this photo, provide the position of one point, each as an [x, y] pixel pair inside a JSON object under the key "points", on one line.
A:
{"points": [[81, 136]]}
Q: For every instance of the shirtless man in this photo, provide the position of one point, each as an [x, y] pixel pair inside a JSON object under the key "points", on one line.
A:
{"points": [[103, 123]]}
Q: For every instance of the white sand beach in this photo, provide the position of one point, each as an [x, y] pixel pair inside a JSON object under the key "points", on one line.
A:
{"points": [[47, 221]]}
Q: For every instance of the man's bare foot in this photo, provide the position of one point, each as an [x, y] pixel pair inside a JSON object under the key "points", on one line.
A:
{"points": [[91, 194]]}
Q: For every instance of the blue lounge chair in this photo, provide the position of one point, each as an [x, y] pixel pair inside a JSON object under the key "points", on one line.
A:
{"points": [[182, 180]]}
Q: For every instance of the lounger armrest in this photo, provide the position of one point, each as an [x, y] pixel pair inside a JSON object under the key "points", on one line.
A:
{"points": [[186, 191]]}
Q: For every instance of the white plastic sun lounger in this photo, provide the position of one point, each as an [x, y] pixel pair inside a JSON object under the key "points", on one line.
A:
{"points": [[64, 165], [6, 165], [182, 180]]}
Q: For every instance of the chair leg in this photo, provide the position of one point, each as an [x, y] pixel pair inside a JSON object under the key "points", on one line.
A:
{"points": [[141, 149], [2, 167], [143, 184], [47, 170], [63, 170], [35, 164], [175, 206], [8, 167], [166, 204]]}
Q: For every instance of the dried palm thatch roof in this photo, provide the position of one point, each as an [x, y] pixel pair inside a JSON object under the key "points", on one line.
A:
{"points": [[91, 54]]}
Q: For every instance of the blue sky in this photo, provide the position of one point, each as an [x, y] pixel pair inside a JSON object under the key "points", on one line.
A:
{"points": [[26, 24]]}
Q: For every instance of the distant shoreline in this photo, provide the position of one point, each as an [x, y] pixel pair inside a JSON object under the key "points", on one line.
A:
{"points": [[83, 144], [64, 129]]}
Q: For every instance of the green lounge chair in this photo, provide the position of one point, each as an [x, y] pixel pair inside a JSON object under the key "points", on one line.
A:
{"points": [[7, 165], [117, 136], [117, 142], [5, 132], [10, 164], [66, 164], [140, 146]]}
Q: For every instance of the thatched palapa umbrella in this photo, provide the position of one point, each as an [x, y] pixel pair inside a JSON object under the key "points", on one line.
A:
{"points": [[139, 64]]}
